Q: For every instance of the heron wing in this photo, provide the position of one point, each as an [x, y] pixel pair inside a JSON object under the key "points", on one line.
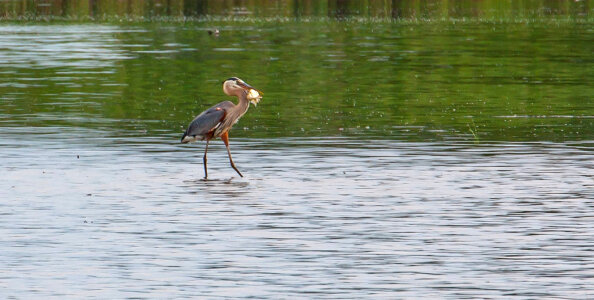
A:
{"points": [[208, 120]]}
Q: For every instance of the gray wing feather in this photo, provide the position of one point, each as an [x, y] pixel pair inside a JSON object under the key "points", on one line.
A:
{"points": [[208, 120]]}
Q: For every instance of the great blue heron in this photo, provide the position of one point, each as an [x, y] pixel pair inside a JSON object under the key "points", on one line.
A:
{"points": [[218, 120]]}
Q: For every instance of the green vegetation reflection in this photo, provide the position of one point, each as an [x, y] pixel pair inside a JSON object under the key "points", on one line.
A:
{"points": [[474, 80]]}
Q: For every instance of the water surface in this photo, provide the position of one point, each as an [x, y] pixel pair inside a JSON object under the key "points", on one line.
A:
{"points": [[386, 160], [330, 218]]}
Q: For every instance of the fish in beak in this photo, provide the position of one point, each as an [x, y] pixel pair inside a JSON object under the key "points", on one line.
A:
{"points": [[253, 94]]}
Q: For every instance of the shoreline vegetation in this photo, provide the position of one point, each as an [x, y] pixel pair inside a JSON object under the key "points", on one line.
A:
{"points": [[412, 11], [262, 20]]}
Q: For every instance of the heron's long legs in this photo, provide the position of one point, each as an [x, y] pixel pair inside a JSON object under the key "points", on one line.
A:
{"points": [[204, 160], [225, 138]]}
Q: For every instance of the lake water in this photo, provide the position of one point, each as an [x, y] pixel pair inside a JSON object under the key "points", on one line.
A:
{"points": [[386, 160]]}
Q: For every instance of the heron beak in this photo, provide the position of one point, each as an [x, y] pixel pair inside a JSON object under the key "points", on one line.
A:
{"points": [[246, 86]]}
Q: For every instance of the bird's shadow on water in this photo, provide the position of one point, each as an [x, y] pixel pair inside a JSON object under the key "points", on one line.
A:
{"points": [[216, 181], [232, 186]]}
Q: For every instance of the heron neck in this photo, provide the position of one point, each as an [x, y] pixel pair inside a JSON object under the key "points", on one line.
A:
{"points": [[244, 103]]}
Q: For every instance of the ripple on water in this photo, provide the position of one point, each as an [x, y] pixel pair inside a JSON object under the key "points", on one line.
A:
{"points": [[310, 219]]}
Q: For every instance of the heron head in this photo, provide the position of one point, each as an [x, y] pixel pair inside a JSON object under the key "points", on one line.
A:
{"points": [[236, 87]]}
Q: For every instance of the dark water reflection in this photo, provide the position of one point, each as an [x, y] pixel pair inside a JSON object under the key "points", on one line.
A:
{"points": [[386, 160]]}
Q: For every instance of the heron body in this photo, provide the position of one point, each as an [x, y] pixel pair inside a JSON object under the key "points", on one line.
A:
{"points": [[218, 120], [211, 123]]}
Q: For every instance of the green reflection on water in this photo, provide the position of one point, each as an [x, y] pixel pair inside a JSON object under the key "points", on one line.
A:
{"points": [[471, 80]]}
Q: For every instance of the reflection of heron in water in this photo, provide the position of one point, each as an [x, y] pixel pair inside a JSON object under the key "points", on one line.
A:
{"points": [[218, 120]]}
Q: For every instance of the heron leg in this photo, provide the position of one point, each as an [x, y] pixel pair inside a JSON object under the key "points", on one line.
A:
{"points": [[204, 160], [225, 138]]}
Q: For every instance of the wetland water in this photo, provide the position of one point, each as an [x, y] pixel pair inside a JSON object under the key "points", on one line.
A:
{"points": [[386, 160]]}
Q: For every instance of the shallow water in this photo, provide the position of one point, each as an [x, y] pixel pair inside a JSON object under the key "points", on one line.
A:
{"points": [[320, 217], [385, 161]]}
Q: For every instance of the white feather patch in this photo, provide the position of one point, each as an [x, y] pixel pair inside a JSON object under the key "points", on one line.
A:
{"points": [[189, 139]]}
